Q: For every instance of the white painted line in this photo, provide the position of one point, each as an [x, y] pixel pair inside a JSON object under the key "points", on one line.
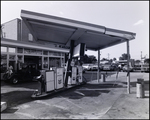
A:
{"points": [[41, 102], [92, 89], [79, 93], [24, 106], [71, 102], [26, 114], [45, 103], [61, 107]]}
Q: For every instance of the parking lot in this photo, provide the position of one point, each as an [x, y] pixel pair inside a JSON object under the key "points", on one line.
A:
{"points": [[102, 100]]}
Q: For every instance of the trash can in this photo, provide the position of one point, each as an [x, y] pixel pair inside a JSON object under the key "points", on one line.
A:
{"points": [[140, 88]]}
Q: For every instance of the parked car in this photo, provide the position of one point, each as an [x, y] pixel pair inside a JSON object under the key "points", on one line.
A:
{"points": [[131, 69], [27, 73], [108, 66], [87, 67], [94, 67], [145, 67], [91, 67]]}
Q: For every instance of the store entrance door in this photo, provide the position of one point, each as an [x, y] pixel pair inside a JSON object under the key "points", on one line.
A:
{"points": [[33, 59]]}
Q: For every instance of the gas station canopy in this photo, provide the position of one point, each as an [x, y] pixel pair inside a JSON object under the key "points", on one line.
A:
{"points": [[61, 31]]}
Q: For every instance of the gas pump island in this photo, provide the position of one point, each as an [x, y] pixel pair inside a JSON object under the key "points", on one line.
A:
{"points": [[59, 79]]}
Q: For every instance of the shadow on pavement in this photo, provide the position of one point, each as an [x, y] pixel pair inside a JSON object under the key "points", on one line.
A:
{"points": [[23, 84], [92, 75], [10, 110], [16, 98], [105, 85], [87, 90], [84, 93]]}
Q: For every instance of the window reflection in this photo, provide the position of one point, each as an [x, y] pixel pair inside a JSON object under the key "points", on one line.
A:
{"points": [[3, 49], [12, 50]]}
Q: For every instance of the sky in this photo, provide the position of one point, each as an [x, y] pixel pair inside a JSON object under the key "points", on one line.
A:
{"points": [[132, 16]]}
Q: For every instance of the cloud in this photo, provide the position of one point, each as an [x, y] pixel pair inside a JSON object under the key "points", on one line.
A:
{"points": [[138, 22], [61, 13]]}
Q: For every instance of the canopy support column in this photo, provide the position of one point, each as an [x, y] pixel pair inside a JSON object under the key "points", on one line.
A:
{"points": [[98, 70], [128, 72], [69, 63]]}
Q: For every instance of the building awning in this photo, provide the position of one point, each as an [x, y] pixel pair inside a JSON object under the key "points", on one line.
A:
{"points": [[23, 44], [61, 31]]}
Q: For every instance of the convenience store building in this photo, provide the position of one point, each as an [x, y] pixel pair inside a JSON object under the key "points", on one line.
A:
{"points": [[18, 46]]}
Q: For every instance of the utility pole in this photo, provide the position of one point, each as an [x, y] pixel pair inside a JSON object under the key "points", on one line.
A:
{"points": [[141, 56], [108, 56], [128, 72], [98, 70]]}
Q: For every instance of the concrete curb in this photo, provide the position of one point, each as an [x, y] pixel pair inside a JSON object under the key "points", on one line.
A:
{"points": [[3, 106], [57, 91]]}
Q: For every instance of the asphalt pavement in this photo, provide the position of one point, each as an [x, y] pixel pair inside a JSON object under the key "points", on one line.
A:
{"points": [[94, 100]]}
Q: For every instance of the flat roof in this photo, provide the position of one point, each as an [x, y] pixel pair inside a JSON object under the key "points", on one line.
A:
{"points": [[61, 31]]}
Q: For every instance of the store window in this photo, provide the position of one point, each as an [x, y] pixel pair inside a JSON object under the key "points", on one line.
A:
{"points": [[50, 53], [39, 52], [19, 62], [12, 57], [12, 50], [27, 51], [30, 37], [32, 51], [57, 54], [45, 52], [3, 63], [19, 50], [3, 49], [45, 63], [20, 58]]}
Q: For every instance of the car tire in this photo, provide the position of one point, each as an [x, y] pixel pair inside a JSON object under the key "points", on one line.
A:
{"points": [[14, 80], [5, 77]]}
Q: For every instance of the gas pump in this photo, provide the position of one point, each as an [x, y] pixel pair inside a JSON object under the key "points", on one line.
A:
{"points": [[46, 84], [74, 75], [49, 82], [76, 72], [79, 74]]}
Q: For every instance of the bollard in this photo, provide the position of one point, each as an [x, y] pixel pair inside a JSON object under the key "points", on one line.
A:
{"points": [[140, 88], [69, 80], [104, 77]]}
